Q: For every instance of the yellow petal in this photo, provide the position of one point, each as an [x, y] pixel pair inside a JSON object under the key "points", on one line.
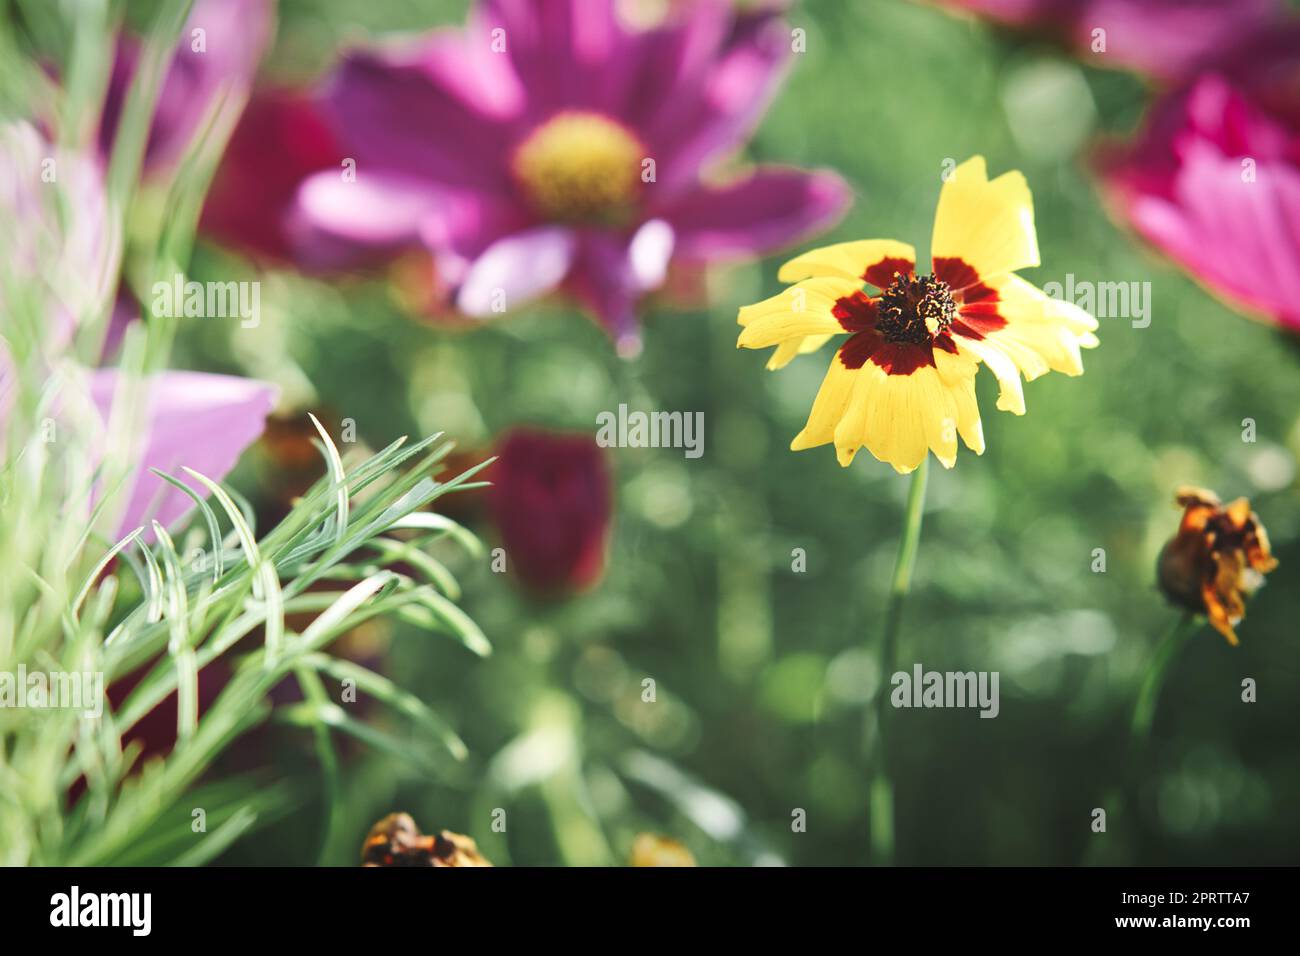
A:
{"points": [[786, 327], [895, 429], [783, 353], [786, 351], [847, 260], [940, 429], [812, 343], [811, 295], [848, 433], [1011, 397], [828, 407], [1041, 334], [957, 373], [988, 225], [899, 419], [803, 309]]}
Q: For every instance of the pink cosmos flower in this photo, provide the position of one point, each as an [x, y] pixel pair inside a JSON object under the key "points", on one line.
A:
{"points": [[1214, 178], [548, 145], [551, 502], [216, 58], [1163, 38], [64, 265]]}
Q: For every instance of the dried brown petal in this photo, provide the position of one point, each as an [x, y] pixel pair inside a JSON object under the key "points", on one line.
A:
{"points": [[1217, 559], [396, 841]]}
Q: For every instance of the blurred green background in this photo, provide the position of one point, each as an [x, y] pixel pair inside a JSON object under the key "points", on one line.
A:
{"points": [[764, 675]]}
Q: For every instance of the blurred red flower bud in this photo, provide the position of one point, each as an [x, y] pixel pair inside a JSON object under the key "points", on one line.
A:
{"points": [[550, 502], [280, 140]]}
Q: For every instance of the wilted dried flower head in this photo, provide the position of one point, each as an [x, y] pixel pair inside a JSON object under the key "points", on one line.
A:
{"points": [[396, 841], [1218, 558], [650, 849]]}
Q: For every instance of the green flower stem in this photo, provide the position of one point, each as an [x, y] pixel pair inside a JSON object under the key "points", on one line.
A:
{"points": [[1149, 692], [882, 790], [1144, 711]]}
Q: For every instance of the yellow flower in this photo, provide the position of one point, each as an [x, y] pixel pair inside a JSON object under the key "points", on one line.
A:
{"points": [[903, 383]]}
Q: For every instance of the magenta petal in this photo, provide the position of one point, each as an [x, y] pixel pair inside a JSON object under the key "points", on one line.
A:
{"points": [[757, 215], [613, 272], [1241, 238], [194, 420], [396, 113], [568, 54], [1167, 39], [673, 60], [472, 73], [515, 269], [467, 221], [713, 104], [1263, 64], [234, 35], [1215, 184], [336, 223]]}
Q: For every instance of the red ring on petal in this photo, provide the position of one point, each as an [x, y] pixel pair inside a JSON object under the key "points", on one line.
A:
{"points": [[856, 312], [893, 358], [881, 274]]}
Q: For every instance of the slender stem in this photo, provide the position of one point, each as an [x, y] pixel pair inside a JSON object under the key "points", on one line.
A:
{"points": [[1116, 797], [882, 790], [332, 782], [1149, 692]]}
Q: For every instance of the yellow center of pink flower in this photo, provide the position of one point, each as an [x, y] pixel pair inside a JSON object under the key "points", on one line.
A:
{"points": [[581, 168]]}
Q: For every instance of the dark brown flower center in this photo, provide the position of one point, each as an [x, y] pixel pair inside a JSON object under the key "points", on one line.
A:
{"points": [[915, 309]]}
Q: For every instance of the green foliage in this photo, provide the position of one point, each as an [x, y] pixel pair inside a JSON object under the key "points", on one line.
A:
{"points": [[185, 618], [75, 785]]}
